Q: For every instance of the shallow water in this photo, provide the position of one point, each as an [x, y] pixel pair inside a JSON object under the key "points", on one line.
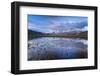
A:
{"points": [[50, 48]]}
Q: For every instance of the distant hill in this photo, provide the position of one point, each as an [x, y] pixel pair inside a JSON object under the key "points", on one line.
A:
{"points": [[80, 34], [70, 34], [33, 34]]}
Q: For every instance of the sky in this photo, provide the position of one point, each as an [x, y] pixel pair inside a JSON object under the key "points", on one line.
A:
{"points": [[50, 24]]}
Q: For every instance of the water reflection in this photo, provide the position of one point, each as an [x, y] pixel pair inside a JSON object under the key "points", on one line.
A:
{"points": [[50, 48]]}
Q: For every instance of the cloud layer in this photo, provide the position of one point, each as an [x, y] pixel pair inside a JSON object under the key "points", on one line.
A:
{"points": [[49, 24]]}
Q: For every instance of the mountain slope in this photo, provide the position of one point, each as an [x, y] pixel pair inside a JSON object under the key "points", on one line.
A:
{"points": [[33, 34]]}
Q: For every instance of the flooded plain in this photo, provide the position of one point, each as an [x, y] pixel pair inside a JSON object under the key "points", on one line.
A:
{"points": [[53, 48]]}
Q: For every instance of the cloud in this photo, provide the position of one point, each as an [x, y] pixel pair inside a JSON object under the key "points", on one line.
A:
{"points": [[49, 24], [85, 28]]}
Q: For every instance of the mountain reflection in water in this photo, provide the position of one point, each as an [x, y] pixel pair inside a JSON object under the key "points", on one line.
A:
{"points": [[51, 48]]}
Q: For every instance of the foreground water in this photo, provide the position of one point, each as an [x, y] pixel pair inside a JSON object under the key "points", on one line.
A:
{"points": [[50, 48]]}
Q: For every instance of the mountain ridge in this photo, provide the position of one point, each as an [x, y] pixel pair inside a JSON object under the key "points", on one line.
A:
{"points": [[35, 34]]}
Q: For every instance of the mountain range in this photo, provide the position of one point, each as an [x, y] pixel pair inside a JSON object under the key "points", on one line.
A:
{"points": [[74, 34]]}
